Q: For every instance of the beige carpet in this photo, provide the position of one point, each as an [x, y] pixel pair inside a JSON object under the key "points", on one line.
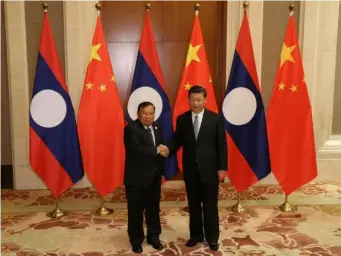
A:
{"points": [[315, 229]]}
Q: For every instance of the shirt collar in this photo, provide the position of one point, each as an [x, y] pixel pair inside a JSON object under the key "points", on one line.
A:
{"points": [[200, 115]]}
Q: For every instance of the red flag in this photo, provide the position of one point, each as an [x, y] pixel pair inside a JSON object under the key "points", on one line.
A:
{"points": [[196, 72], [101, 120], [289, 120]]}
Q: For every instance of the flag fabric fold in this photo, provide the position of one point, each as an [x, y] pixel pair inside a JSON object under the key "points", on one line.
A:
{"points": [[148, 85], [101, 120], [54, 151], [289, 119], [196, 72], [244, 117]]}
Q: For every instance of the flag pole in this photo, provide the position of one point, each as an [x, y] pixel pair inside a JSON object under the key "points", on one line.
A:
{"points": [[103, 210], [57, 212], [237, 207], [196, 11], [286, 207]]}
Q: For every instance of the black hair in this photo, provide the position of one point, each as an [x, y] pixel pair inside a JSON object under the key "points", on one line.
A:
{"points": [[198, 89], [145, 104]]}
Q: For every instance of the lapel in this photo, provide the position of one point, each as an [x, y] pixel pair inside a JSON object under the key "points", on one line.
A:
{"points": [[157, 134], [144, 133]]}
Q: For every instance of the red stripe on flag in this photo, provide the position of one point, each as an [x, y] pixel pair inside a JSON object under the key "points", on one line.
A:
{"points": [[47, 167], [48, 51], [239, 171]]}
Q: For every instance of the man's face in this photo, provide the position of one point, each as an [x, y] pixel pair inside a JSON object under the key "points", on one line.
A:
{"points": [[146, 115], [197, 102]]}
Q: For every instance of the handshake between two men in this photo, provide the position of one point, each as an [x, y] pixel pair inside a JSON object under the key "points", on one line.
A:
{"points": [[163, 150], [143, 187]]}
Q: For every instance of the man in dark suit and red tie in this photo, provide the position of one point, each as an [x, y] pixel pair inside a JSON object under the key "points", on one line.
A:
{"points": [[144, 167], [201, 133]]}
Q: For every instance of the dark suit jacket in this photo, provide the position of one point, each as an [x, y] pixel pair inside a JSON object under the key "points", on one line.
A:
{"points": [[209, 152], [142, 161]]}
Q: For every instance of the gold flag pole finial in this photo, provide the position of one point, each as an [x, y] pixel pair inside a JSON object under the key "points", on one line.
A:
{"points": [[196, 8], [291, 7], [246, 5], [45, 6], [98, 8], [148, 6]]}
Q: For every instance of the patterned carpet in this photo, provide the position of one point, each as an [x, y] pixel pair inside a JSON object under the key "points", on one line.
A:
{"points": [[315, 229]]}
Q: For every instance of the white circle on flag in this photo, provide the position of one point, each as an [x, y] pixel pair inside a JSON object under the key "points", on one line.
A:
{"points": [[48, 108], [144, 93], [239, 106]]}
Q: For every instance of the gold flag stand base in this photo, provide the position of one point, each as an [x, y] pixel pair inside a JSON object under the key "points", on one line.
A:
{"points": [[286, 207], [57, 212], [237, 207], [103, 210]]}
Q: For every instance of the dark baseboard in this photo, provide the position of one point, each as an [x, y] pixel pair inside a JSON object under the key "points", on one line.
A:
{"points": [[7, 177]]}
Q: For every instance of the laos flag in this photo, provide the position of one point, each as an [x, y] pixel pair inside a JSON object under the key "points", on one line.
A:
{"points": [[53, 140], [148, 85], [244, 117]]}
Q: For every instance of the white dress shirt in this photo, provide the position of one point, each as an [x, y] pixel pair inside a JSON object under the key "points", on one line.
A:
{"points": [[200, 117], [152, 130]]}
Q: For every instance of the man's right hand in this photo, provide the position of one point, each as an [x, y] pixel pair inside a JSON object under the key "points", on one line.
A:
{"points": [[163, 150]]}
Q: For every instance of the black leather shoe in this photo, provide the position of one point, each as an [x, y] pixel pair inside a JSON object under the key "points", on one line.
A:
{"points": [[137, 248], [193, 242], [214, 246], [155, 242]]}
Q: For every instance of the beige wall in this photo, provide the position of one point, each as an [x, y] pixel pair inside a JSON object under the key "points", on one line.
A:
{"points": [[337, 90], [73, 26]]}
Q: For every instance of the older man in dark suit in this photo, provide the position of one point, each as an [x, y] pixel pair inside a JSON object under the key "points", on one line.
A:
{"points": [[144, 168]]}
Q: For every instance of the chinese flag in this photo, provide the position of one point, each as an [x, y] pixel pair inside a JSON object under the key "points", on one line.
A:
{"points": [[289, 119], [101, 120], [196, 72]]}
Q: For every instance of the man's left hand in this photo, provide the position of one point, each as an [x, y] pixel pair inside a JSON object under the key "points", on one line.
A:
{"points": [[221, 174]]}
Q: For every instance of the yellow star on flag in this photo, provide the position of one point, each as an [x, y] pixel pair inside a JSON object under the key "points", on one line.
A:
{"points": [[293, 88], [281, 86], [102, 88], [210, 81], [94, 54], [286, 54], [89, 86], [113, 79], [187, 86], [192, 54]]}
